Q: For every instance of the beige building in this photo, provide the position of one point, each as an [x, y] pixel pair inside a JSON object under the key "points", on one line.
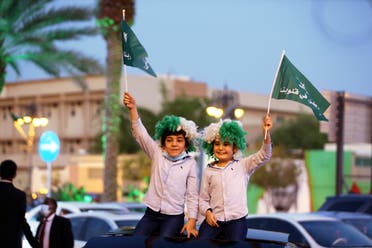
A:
{"points": [[75, 115]]}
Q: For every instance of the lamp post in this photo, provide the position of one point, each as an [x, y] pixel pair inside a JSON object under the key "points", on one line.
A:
{"points": [[29, 137], [225, 105]]}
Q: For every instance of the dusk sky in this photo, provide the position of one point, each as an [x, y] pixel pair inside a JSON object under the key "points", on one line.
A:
{"points": [[238, 43]]}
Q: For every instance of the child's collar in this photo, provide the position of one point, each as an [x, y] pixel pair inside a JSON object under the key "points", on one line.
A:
{"points": [[183, 155]]}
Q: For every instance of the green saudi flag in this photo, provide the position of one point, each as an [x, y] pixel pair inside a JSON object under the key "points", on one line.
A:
{"points": [[134, 54], [291, 84]]}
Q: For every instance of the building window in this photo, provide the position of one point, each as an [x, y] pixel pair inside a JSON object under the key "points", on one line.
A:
{"points": [[95, 173], [363, 161]]}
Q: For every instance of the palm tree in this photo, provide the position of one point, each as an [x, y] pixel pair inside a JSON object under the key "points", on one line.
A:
{"points": [[109, 18], [29, 30]]}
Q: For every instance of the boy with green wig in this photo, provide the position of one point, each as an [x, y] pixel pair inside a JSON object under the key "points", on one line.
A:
{"points": [[174, 181], [222, 197]]}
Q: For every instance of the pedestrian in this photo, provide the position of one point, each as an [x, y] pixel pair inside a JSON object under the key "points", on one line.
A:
{"points": [[223, 190], [174, 181], [12, 207], [54, 231]]}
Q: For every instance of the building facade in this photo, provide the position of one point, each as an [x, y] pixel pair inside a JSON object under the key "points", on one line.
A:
{"points": [[75, 115]]}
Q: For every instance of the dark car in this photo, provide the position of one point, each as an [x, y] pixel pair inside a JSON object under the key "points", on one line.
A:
{"points": [[255, 239], [348, 203]]}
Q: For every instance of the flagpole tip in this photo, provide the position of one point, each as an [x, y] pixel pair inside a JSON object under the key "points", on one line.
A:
{"points": [[123, 14]]}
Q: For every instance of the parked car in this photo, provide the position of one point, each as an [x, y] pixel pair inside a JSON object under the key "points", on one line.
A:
{"points": [[348, 203], [255, 238], [63, 208], [311, 230], [359, 220], [87, 225], [136, 207]]}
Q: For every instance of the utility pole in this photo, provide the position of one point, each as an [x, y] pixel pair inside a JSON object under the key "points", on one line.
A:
{"points": [[340, 140]]}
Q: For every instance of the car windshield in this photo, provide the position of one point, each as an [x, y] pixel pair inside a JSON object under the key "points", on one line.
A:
{"points": [[334, 233], [364, 225]]}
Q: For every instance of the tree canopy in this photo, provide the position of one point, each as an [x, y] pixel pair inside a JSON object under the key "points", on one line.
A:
{"points": [[301, 132], [30, 31]]}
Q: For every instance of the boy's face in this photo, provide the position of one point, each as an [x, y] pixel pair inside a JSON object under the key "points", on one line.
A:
{"points": [[175, 144], [223, 150]]}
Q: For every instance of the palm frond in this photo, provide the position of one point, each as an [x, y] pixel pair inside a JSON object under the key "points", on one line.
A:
{"points": [[30, 31]]}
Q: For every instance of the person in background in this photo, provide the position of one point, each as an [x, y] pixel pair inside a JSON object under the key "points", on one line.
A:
{"points": [[54, 231], [223, 190], [12, 207], [174, 179]]}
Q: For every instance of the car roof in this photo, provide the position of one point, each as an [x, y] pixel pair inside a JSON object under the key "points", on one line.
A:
{"points": [[89, 205], [294, 216], [352, 196], [106, 215], [344, 214], [114, 241], [348, 202]]}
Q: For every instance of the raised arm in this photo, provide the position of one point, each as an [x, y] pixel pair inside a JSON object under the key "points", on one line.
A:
{"points": [[130, 103]]}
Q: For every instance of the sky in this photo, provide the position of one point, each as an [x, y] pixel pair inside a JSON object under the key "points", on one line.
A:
{"points": [[238, 43]]}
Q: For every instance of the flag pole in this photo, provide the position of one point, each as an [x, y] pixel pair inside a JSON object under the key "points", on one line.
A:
{"points": [[125, 67], [272, 87]]}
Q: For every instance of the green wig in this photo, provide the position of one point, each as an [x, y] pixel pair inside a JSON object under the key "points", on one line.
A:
{"points": [[171, 124], [227, 130]]}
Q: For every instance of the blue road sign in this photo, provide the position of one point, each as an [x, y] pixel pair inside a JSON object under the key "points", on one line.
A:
{"points": [[49, 146]]}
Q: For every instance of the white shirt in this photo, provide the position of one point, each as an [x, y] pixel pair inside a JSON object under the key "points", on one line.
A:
{"points": [[172, 184], [48, 224], [224, 189]]}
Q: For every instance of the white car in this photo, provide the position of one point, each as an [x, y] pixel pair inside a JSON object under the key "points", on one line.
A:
{"points": [[92, 224], [63, 208], [310, 230], [362, 221], [135, 207]]}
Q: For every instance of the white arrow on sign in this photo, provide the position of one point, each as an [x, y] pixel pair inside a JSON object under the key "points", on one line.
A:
{"points": [[52, 147]]}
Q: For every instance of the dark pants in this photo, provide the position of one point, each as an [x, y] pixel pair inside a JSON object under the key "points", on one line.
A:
{"points": [[155, 223], [229, 230]]}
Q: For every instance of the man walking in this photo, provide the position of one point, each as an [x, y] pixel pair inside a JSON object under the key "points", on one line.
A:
{"points": [[54, 231]]}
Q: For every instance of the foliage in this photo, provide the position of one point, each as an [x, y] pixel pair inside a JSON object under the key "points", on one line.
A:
{"points": [[137, 168], [187, 107], [299, 133], [126, 140], [68, 192], [30, 31], [277, 173]]}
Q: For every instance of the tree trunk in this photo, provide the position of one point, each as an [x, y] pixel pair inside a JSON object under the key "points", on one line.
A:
{"points": [[111, 120]]}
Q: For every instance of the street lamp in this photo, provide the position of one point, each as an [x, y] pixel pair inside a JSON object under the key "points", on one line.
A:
{"points": [[226, 105], [29, 137]]}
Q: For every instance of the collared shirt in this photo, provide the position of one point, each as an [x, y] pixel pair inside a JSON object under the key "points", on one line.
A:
{"points": [[6, 181], [48, 223], [172, 183], [224, 189]]}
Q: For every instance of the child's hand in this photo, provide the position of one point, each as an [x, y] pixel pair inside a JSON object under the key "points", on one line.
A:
{"points": [[211, 219], [129, 101], [267, 125], [189, 227]]}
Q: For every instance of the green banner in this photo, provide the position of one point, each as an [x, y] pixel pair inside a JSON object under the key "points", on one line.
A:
{"points": [[291, 84], [134, 54]]}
